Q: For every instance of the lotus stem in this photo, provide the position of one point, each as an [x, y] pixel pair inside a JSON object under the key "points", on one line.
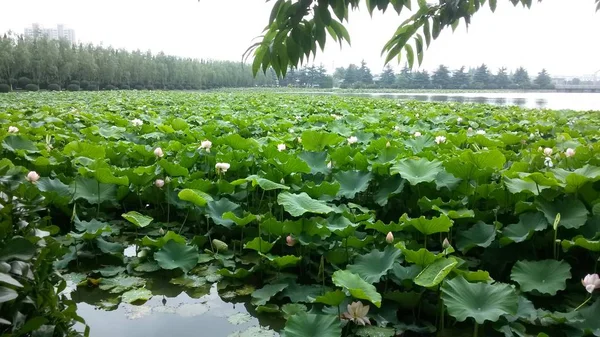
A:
{"points": [[98, 208], [168, 206], [476, 330], [554, 244], [584, 303]]}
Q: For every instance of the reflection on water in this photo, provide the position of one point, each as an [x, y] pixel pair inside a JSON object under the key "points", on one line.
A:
{"points": [[537, 100], [173, 311]]}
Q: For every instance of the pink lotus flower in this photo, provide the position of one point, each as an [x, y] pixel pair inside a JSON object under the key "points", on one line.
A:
{"points": [[158, 152], [357, 313], [32, 176], [591, 282], [548, 152], [159, 183], [569, 152], [290, 241]]}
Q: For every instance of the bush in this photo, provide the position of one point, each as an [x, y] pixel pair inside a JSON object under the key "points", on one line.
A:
{"points": [[23, 82], [125, 87], [84, 85], [4, 88], [92, 87], [110, 87], [32, 87], [75, 82], [73, 87], [139, 87], [150, 87], [53, 87]]}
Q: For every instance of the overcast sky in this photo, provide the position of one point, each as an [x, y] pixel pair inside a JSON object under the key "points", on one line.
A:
{"points": [[559, 35]]}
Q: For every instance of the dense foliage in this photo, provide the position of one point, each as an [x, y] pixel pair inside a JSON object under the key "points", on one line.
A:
{"points": [[297, 28], [44, 62], [354, 217]]}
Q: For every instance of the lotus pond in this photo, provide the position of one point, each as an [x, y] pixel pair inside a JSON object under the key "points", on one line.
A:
{"points": [[253, 214]]}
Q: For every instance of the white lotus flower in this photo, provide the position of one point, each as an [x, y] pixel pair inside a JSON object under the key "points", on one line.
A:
{"points": [[13, 129], [417, 115], [548, 162], [440, 139], [159, 183], [291, 130], [548, 152], [397, 128], [281, 147], [569, 152], [480, 132], [299, 139], [205, 145], [357, 313], [389, 238], [222, 167], [459, 120], [352, 140], [591, 282], [470, 129], [329, 165], [137, 122], [417, 134], [159, 152], [540, 149], [32, 176]]}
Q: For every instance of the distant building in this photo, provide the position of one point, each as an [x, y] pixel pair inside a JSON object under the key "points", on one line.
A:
{"points": [[60, 32]]}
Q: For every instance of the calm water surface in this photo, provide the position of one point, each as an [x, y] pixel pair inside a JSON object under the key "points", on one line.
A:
{"points": [[533, 100]]}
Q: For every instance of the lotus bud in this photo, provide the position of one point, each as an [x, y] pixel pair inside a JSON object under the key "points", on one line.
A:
{"points": [[417, 134], [158, 152], [388, 144], [329, 165], [548, 152], [440, 139], [540, 149], [161, 231], [13, 129], [446, 243], [281, 147], [290, 241], [159, 183], [389, 238], [167, 180], [300, 140], [459, 119], [352, 140], [569, 152], [32, 176]]}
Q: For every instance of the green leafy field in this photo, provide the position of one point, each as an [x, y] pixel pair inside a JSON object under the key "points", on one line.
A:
{"points": [[494, 212]]}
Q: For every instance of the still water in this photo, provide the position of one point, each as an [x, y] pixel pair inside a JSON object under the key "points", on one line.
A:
{"points": [[533, 100]]}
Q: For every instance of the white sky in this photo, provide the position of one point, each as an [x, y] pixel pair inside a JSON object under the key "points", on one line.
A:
{"points": [[559, 35]]}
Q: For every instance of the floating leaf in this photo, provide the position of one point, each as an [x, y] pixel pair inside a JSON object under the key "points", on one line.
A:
{"points": [[175, 255], [136, 295]]}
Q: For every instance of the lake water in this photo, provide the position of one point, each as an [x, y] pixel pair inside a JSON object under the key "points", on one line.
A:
{"points": [[533, 100]]}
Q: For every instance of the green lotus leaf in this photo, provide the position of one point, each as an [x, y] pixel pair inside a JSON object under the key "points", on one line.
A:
{"points": [[318, 141], [447, 180], [92, 191], [259, 245], [455, 214], [121, 283], [429, 226], [375, 331], [417, 171], [580, 241], [54, 188], [331, 298], [263, 295], [305, 324], [417, 145], [175, 255], [7, 279], [479, 235], [517, 185], [391, 186], [435, 273], [544, 276], [84, 150], [298, 204], [291, 309], [357, 287], [7, 294], [402, 273], [136, 295], [108, 247], [469, 164], [421, 257], [376, 264], [19, 143], [93, 226], [573, 213], [239, 273], [473, 276], [105, 176], [160, 242], [268, 308], [216, 210], [317, 161], [589, 319], [574, 180], [302, 293], [480, 301], [340, 225], [323, 189], [139, 220], [282, 262], [173, 169], [266, 184], [17, 248], [196, 197], [239, 221], [384, 228], [528, 224], [147, 267], [189, 281], [352, 182]]}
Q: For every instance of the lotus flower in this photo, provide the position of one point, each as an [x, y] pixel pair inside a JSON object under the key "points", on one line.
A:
{"points": [[352, 140], [548, 152], [158, 152], [32, 176], [470, 129], [440, 139], [137, 122], [480, 132], [161, 231], [205, 145], [446, 243], [299, 139], [459, 119], [329, 165], [281, 147], [159, 183], [357, 313], [569, 152], [389, 238], [13, 129], [290, 241], [291, 130], [417, 134], [388, 144], [591, 282], [222, 167], [548, 162], [417, 115]]}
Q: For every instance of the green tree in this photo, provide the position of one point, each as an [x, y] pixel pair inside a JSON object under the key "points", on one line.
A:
{"points": [[388, 78], [521, 79], [352, 75], [298, 28], [501, 80], [404, 79], [460, 79], [421, 80], [482, 77], [441, 78], [365, 75], [543, 80]]}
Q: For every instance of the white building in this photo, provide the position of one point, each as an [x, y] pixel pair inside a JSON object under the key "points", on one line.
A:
{"points": [[60, 32]]}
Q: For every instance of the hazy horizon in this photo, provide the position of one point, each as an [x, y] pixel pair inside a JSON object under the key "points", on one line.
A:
{"points": [[551, 35]]}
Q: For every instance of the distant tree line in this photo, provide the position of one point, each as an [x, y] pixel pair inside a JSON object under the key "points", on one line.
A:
{"points": [[55, 64], [309, 77], [442, 78]]}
